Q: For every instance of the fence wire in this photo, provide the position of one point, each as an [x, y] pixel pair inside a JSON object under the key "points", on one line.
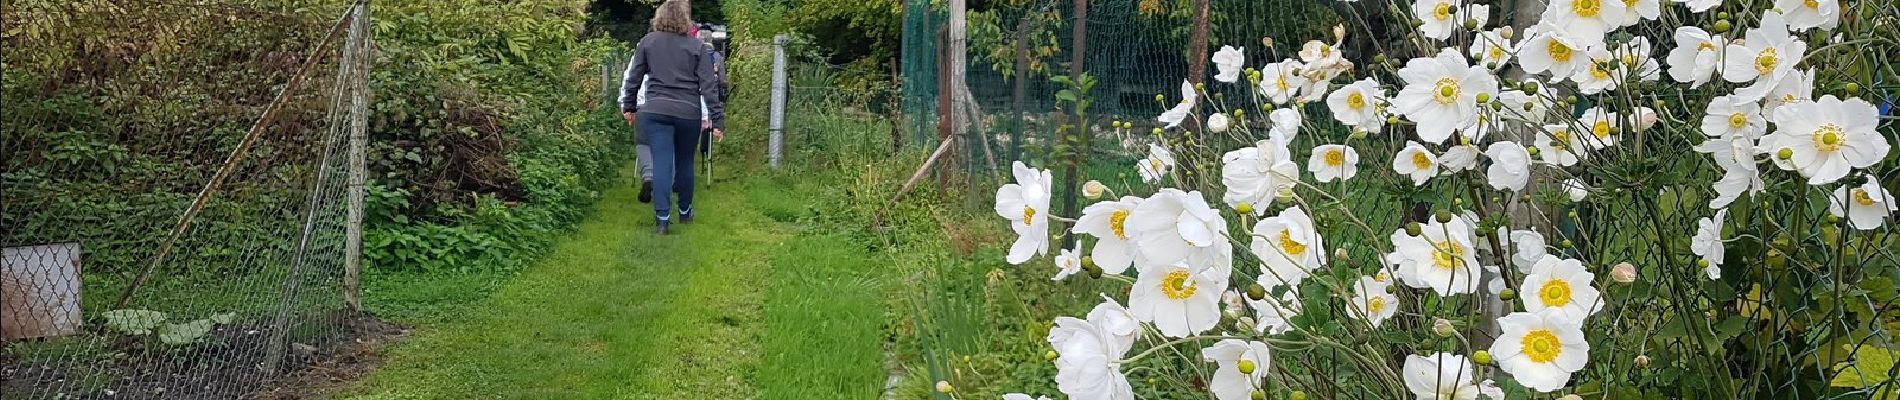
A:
{"points": [[186, 263]]}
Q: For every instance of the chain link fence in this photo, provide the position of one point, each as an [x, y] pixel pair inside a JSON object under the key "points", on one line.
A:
{"points": [[196, 261]]}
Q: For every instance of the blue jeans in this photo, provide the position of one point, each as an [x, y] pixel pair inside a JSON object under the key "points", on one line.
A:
{"points": [[673, 140]]}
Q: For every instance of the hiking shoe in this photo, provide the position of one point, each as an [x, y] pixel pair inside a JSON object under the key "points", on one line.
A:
{"points": [[686, 216], [660, 227], [646, 191]]}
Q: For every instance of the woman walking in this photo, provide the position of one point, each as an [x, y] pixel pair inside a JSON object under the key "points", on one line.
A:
{"points": [[679, 76]]}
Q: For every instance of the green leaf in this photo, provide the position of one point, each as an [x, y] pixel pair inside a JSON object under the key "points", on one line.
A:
{"points": [[1065, 95], [133, 322], [1731, 327], [1871, 366]]}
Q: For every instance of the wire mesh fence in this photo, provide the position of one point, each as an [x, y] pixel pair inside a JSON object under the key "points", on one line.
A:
{"points": [[190, 263]]}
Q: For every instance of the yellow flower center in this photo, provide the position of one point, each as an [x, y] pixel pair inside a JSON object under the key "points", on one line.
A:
{"points": [[1811, 4], [1861, 196], [1596, 71], [1118, 221], [1629, 3], [1421, 160], [1375, 305], [1325, 50], [1586, 8], [1291, 247], [1497, 52], [1335, 157], [1381, 276], [1447, 91], [1601, 129], [1554, 293], [1029, 214], [1766, 61], [1447, 254], [1154, 164], [1631, 59], [1705, 46], [1178, 285], [1828, 137], [1737, 120], [1561, 136], [1542, 346], [1558, 51], [1442, 11], [1280, 82], [1355, 100]]}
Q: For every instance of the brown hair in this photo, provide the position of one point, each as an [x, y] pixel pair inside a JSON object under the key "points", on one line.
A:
{"points": [[674, 16]]}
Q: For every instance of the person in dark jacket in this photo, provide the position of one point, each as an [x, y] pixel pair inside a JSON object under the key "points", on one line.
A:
{"points": [[679, 76]]}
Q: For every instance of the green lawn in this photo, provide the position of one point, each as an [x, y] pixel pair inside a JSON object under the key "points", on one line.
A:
{"points": [[737, 305]]}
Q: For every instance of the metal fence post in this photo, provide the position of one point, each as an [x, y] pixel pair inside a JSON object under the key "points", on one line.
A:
{"points": [[776, 144]]}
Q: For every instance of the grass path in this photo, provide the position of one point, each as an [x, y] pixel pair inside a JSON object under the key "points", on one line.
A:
{"points": [[737, 305]]}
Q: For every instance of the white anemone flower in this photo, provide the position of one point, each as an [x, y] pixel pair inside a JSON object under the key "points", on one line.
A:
{"points": [[1491, 49], [1563, 285], [1589, 19], [1640, 10], [1317, 85], [1526, 108], [1273, 315], [1177, 300], [1550, 48], [1178, 228], [1576, 190], [1442, 376], [1441, 94], [1458, 158], [1510, 166], [1156, 165], [1069, 262], [1227, 63], [1707, 242], [1530, 248], [1865, 207], [1333, 162], [1373, 302], [1827, 137], [1639, 63], [1478, 13], [1286, 124], [1281, 81], [1358, 105], [1174, 116], [1797, 87], [1696, 56], [1026, 205], [1767, 54], [1289, 247], [1600, 127], [1114, 248], [1256, 175], [1088, 359], [1218, 123], [1437, 18], [1558, 145], [1808, 14], [1318, 54], [1596, 77], [1229, 382], [1020, 396], [1735, 154], [1701, 5], [1731, 116], [1540, 349], [1416, 161], [1120, 324], [1441, 257]]}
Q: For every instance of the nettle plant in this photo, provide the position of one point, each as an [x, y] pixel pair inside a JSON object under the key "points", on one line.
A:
{"points": [[1627, 200]]}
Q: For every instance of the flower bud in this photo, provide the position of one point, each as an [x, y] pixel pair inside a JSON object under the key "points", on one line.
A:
{"points": [[1784, 153], [1623, 273], [1565, 244], [1340, 254], [1050, 355], [1481, 357], [1266, 41], [1297, 395], [1245, 366], [1722, 15], [1256, 292], [1392, 120], [1642, 360], [1852, 89], [944, 387], [1507, 294], [1161, 99], [1532, 150], [1529, 88], [1244, 208], [1702, 263], [1442, 327], [1484, 97], [1093, 189], [1506, 32], [1412, 228], [1339, 33], [1721, 26], [1471, 24], [1258, 394], [1443, 216]]}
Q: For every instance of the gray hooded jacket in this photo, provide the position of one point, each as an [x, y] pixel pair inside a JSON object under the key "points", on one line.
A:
{"points": [[678, 76]]}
